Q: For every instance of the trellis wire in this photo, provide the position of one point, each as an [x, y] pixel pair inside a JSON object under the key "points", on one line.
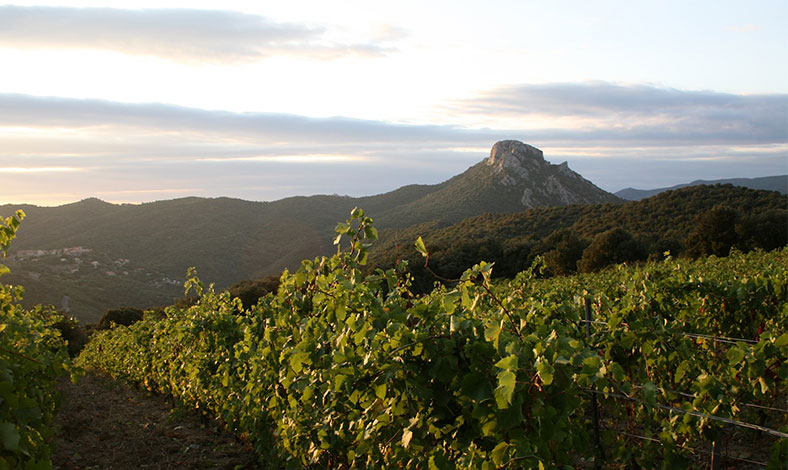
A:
{"points": [[721, 339], [692, 395], [694, 413], [645, 438]]}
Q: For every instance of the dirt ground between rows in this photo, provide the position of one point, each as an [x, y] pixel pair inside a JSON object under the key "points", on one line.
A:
{"points": [[107, 425]]}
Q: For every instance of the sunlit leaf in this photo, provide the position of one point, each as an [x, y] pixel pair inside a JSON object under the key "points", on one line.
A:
{"points": [[420, 247], [507, 381], [545, 371]]}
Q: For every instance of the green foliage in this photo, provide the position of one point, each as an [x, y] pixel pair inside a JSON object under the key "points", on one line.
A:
{"points": [[32, 356], [119, 316], [715, 233], [74, 334], [347, 369], [764, 229], [251, 291], [562, 251], [8, 227], [661, 223], [611, 247]]}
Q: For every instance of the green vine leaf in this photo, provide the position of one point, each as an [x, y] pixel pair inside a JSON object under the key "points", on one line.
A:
{"points": [[507, 382], [545, 371], [421, 248], [9, 436]]}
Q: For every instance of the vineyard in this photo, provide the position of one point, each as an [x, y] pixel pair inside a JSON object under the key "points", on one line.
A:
{"points": [[669, 364], [32, 357], [342, 369]]}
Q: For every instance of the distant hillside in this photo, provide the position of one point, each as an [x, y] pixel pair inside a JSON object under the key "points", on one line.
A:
{"points": [[769, 183], [137, 254], [660, 223]]}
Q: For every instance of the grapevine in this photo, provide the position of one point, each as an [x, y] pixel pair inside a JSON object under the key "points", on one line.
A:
{"points": [[342, 368], [32, 357]]}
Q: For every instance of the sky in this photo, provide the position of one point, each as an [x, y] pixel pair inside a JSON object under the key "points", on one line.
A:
{"points": [[137, 101]]}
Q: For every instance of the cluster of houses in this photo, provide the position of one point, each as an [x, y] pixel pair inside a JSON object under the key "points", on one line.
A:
{"points": [[73, 251]]}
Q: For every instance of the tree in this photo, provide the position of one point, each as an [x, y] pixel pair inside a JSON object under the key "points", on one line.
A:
{"points": [[126, 316], [250, 291], [562, 250], [715, 233], [767, 230], [611, 247]]}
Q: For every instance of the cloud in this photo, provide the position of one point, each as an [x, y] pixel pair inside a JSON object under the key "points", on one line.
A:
{"points": [[140, 152], [388, 33], [638, 114], [223, 152], [180, 35], [40, 169], [17, 110], [743, 28], [144, 149]]}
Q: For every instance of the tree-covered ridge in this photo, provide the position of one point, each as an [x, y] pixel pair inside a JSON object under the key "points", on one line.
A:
{"points": [[777, 183], [339, 369], [662, 223], [136, 254]]}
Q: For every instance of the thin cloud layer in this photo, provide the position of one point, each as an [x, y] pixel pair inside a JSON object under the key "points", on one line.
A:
{"points": [[77, 148], [220, 126], [112, 149], [640, 114], [180, 35]]}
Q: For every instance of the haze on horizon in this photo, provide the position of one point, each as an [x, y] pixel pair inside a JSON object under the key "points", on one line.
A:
{"points": [[148, 100]]}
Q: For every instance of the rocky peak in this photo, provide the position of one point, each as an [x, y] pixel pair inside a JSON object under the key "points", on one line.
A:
{"points": [[513, 162], [514, 154], [523, 169]]}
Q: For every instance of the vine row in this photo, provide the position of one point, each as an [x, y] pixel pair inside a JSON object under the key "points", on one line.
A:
{"points": [[347, 369]]}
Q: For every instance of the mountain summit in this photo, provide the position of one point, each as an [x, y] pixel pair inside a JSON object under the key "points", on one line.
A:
{"points": [[523, 166], [514, 155], [514, 178]]}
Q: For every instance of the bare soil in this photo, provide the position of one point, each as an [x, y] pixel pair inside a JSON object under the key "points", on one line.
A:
{"points": [[106, 424]]}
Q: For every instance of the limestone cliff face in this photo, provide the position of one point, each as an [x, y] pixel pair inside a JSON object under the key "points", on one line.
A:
{"points": [[515, 161], [522, 167]]}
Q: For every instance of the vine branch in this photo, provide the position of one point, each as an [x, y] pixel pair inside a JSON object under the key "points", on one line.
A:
{"points": [[14, 353]]}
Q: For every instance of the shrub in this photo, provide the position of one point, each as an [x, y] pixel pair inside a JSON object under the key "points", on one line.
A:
{"points": [[250, 291], [126, 316], [75, 335]]}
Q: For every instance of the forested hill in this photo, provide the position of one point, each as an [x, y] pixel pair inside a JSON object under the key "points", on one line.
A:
{"points": [[274, 234], [777, 183], [89, 256], [671, 221]]}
